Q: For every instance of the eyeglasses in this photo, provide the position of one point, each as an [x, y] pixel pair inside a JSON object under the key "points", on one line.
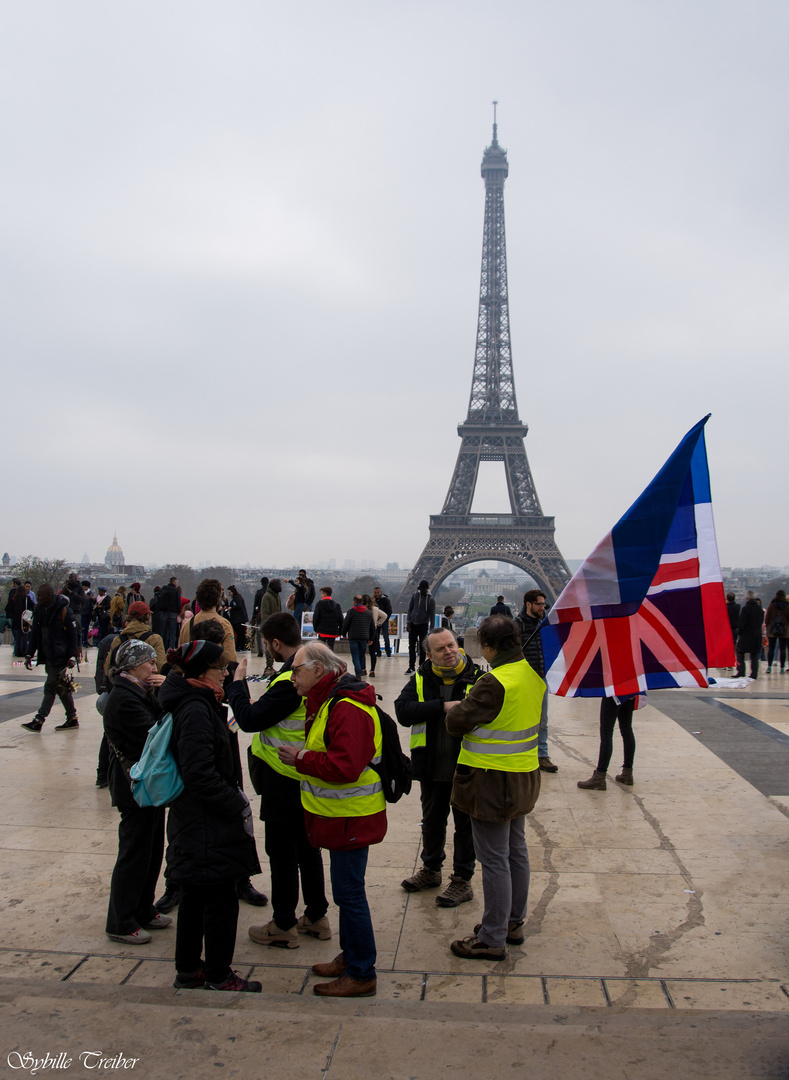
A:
{"points": [[297, 667]]}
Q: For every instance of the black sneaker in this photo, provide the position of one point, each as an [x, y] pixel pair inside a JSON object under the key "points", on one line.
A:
{"points": [[101, 781], [169, 899], [71, 722], [235, 982], [247, 892], [34, 725], [193, 981]]}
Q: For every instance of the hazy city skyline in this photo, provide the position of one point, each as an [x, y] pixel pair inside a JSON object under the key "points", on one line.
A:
{"points": [[242, 266]]}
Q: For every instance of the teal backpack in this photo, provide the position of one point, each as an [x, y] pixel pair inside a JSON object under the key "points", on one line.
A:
{"points": [[155, 779]]}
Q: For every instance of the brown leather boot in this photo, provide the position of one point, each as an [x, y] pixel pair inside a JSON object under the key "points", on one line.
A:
{"points": [[596, 782], [332, 970], [345, 986], [625, 777]]}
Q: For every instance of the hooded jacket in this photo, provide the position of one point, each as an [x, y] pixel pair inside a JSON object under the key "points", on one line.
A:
{"points": [[205, 831], [270, 604], [54, 634], [350, 747], [358, 624]]}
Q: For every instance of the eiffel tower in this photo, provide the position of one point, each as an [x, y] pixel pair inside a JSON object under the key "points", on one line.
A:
{"points": [[492, 431]]}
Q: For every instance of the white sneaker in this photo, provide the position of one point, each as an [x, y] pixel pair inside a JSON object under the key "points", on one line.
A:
{"points": [[139, 937]]}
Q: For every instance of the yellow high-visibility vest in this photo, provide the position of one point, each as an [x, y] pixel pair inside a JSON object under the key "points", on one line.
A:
{"points": [[288, 732], [419, 731], [360, 798], [509, 742]]}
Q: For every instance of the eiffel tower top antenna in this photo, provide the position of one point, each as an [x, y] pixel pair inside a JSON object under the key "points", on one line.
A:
{"points": [[495, 125]]}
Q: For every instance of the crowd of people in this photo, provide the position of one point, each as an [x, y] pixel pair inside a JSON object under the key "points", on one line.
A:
{"points": [[478, 744], [757, 633]]}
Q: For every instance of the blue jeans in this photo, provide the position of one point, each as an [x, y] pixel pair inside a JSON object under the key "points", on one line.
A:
{"points": [[357, 939], [542, 736], [298, 611], [384, 630], [358, 647], [171, 631]]}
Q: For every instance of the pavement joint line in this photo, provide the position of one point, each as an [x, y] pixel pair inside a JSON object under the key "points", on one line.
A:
{"points": [[136, 967], [325, 1072], [751, 721], [423, 990], [78, 965], [484, 989], [606, 995], [304, 982], [546, 997], [433, 973], [784, 990], [668, 996]]}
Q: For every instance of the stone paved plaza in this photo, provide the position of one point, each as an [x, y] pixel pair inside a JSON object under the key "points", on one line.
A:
{"points": [[656, 939]]}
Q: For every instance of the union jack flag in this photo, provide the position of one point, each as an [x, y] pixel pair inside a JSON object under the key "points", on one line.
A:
{"points": [[646, 610]]}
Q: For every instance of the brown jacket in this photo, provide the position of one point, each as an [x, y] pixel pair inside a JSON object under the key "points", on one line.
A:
{"points": [[134, 628], [229, 655], [490, 794]]}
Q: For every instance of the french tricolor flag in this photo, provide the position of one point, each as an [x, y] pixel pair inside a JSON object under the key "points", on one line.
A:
{"points": [[646, 610]]}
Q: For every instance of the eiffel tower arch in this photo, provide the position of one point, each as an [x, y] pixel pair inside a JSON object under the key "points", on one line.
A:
{"points": [[492, 431]]}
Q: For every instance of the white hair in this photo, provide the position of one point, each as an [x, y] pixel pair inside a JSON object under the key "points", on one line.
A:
{"points": [[315, 653]]}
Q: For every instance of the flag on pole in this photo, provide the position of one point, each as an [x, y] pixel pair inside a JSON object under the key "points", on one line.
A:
{"points": [[646, 610]]}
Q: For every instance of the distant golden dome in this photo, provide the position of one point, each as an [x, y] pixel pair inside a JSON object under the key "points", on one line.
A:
{"points": [[114, 556]]}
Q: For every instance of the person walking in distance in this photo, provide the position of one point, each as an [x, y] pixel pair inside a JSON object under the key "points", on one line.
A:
{"points": [[419, 620], [54, 639]]}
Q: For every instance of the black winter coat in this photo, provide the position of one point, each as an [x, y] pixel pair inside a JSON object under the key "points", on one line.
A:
{"points": [[207, 842], [358, 625], [327, 617], [129, 715], [54, 635], [532, 652], [437, 759], [749, 628], [237, 614], [169, 599]]}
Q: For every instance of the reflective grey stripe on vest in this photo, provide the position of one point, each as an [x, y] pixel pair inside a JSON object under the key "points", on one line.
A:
{"points": [[419, 729], [292, 723], [494, 748], [506, 736], [270, 740], [342, 793]]}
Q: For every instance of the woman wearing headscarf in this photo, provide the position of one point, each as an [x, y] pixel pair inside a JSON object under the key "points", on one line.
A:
{"points": [[209, 827], [130, 712]]}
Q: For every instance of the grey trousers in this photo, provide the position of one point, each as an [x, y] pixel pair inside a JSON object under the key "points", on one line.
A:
{"points": [[501, 851]]}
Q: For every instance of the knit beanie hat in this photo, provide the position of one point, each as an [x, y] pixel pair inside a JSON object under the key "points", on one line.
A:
{"points": [[132, 653], [195, 657]]}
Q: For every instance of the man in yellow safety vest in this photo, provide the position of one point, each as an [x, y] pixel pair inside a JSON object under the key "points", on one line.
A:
{"points": [[497, 782], [277, 718], [344, 805], [446, 677]]}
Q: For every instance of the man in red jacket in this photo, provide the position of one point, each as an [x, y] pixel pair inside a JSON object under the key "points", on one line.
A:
{"points": [[344, 806]]}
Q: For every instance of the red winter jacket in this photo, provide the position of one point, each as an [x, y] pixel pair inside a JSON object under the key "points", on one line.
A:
{"points": [[350, 747]]}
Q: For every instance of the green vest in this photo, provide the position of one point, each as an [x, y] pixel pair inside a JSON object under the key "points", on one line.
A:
{"points": [[288, 732], [361, 798], [509, 742], [419, 731]]}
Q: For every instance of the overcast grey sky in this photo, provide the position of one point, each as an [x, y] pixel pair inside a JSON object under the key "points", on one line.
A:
{"points": [[241, 248]]}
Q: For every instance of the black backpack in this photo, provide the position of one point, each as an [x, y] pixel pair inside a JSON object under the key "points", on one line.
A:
{"points": [[394, 768]]}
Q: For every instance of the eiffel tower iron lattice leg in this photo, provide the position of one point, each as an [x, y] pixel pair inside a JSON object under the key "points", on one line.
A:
{"points": [[492, 431]]}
